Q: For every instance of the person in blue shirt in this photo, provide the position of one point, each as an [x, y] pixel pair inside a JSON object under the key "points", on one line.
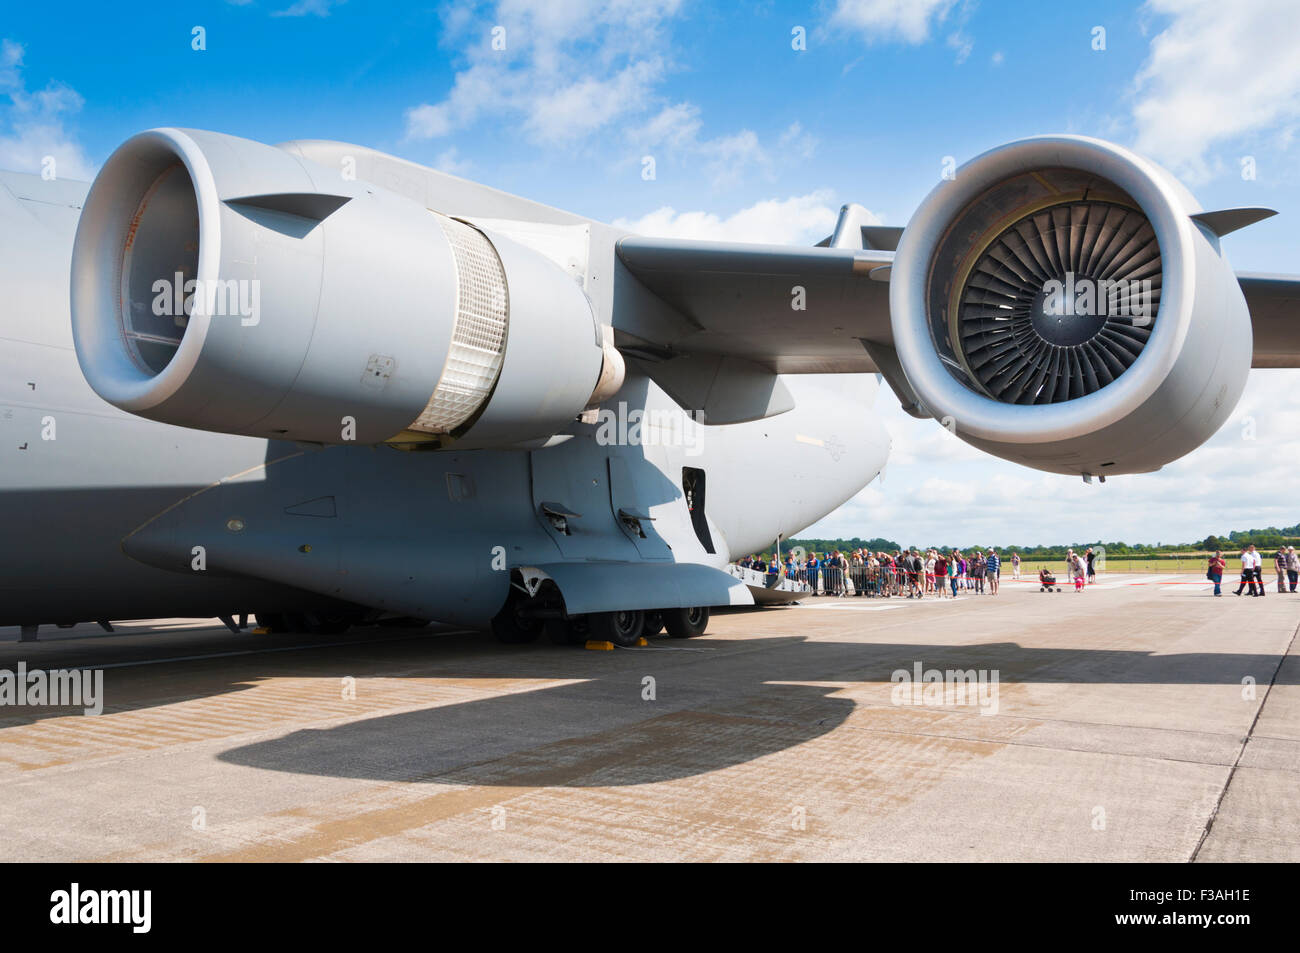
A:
{"points": [[993, 566], [813, 566]]}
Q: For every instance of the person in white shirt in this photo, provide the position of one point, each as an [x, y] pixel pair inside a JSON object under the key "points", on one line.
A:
{"points": [[1251, 571]]}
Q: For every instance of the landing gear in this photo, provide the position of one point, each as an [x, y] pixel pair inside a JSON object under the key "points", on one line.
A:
{"points": [[275, 621], [510, 627], [686, 623], [566, 631], [622, 628], [319, 622], [323, 622], [535, 606], [654, 623]]}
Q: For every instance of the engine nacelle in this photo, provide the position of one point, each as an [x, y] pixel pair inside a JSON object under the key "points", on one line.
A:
{"points": [[226, 285], [1056, 305]]}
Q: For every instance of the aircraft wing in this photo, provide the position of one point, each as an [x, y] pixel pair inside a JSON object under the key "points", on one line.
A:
{"points": [[738, 300], [788, 310], [1274, 302]]}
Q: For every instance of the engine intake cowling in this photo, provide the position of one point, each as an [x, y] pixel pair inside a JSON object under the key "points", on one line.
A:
{"points": [[227, 285], [1056, 305]]}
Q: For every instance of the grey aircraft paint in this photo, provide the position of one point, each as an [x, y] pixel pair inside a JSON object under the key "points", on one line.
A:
{"points": [[645, 410], [103, 519]]}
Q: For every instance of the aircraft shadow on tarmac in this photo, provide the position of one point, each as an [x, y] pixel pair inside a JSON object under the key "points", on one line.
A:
{"points": [[726, 710]]}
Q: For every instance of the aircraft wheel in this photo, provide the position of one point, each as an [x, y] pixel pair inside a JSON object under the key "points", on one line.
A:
{"points": [[563, 631], [686, 623], [314, 623], [622, 628], [654, 623], [325, 623], [511, 628], [271, 620]]}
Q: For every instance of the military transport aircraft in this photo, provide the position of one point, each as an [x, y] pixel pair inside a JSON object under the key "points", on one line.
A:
{"points": [[322, 384]]}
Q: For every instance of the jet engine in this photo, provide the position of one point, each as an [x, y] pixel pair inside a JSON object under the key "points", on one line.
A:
{"points": [[227, 285], [1056, 303]]}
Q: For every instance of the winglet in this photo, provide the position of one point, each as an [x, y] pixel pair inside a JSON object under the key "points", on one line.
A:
{"points": [[856, 229], [1228, 220]]}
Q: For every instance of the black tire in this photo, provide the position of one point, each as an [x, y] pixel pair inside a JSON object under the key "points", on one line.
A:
{"points": [[510, 628], [271, 620], [686, 623], [312, 623], [654, 623], [563, 631], [326, 623], [622, 628]]}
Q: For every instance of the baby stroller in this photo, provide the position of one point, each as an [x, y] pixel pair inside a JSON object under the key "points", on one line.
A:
{"points": [[1047, 581]]}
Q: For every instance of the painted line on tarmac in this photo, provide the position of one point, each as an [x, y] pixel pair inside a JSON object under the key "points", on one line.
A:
{"points": [[1121, 583]]}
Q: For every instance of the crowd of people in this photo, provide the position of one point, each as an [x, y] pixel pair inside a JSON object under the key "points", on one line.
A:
{"points": [[916, 573], [1286, 563], [911, 572]]}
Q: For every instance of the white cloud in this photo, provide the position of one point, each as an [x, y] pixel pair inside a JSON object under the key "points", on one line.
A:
{"points": [[960, 42], [567, 69], [794, 141], [938, 490], [727, 160], [578, 109], [319, 8], [578, 72], [906, 20], [798, 220], [1215, 74], [32, 125], [677, 125]]}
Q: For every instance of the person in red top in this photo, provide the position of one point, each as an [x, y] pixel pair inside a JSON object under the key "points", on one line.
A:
{"points": [[1215, 571]]}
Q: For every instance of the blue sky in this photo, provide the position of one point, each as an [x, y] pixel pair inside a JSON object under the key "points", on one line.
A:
{"points": [[752, 140]]}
